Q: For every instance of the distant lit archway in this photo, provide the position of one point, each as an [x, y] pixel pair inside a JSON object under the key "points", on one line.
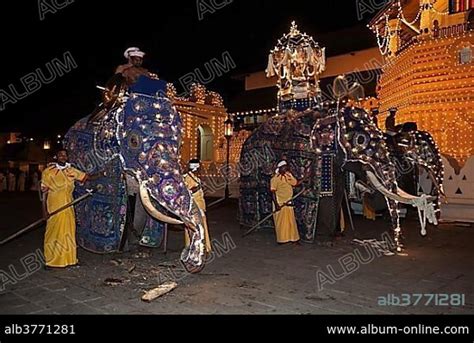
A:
{"points": [[205, 151]]}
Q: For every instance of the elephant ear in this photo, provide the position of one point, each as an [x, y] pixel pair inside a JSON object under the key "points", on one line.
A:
{"points": [[340, 86]]}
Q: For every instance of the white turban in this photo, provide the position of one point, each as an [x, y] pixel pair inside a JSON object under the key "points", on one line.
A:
{"points": [[134, 51], [279, 165], [194, 166]]}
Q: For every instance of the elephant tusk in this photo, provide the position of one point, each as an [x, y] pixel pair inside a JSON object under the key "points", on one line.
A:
{"points": [[436, 184], [152, 211], [400, 196], [363, 187], [424, 203], [382, 189], [413, 198]]}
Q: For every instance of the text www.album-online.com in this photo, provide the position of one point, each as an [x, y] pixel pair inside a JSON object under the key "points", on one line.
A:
{"points": [[420, 329]]}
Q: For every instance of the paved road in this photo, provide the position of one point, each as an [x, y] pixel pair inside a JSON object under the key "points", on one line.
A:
{"points": [[247, 275]]}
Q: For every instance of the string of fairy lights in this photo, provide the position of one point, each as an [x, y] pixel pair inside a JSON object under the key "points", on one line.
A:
{"points": [[274, 110], [384, 39]]}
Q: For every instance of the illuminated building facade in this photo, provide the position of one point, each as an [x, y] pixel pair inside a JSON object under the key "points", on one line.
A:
{"points": [[203, 115], [429, 69]]}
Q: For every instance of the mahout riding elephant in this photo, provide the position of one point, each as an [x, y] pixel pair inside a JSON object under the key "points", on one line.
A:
{"points": [[137, 143]]}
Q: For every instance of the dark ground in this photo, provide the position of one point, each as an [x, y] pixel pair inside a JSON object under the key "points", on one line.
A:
{"points": [[253, 276]]}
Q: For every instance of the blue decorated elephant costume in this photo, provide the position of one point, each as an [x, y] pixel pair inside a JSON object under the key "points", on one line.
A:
{"points": [[137, 144], [330, 144]]}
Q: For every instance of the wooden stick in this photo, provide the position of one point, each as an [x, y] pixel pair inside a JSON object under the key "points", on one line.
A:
{"points": [[38, 222], [159, 291]]}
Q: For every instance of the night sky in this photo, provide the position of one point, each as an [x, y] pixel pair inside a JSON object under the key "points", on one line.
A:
{"points": [[170, 32]]}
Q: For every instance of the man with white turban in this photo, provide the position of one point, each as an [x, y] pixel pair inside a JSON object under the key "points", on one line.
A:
{"points": [[133, 69], [125, 76], [281, 186]]}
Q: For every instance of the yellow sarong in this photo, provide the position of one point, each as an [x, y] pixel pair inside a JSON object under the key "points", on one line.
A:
{"points": [[368, 211], [192, 181], [60, 236], [285, 222]]}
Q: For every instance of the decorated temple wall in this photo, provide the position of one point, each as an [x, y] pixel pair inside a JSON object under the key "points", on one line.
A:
{"points": [[459, 189], [429, 85], [213, 178], [439, 13], [203, 134], [203, 114]]}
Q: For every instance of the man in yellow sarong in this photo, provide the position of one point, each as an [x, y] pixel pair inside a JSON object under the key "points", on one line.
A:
{"points": [[194, 184], [368, 211], [57, 184], [281, 186]]}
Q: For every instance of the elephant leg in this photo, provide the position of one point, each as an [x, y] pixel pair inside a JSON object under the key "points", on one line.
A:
{"points": [[128, 237], [126, 241], [326, 226], [329, 212], [136, 220], [142, 228], [153, 233], [140, 217]]}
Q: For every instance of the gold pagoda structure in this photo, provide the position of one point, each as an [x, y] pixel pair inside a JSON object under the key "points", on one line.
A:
{"points": [[428, 72]]}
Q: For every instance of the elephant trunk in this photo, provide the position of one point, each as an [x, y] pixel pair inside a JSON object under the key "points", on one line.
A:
{"points": [[192, 256]]}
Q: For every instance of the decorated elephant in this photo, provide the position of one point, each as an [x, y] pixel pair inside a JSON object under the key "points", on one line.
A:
{"points": [[366, 154], [330, 144], [326, 145], [137, 144], [288, 136]]}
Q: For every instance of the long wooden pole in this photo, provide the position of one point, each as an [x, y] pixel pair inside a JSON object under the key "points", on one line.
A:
{"points": [[42, 220], [253, 228]]}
